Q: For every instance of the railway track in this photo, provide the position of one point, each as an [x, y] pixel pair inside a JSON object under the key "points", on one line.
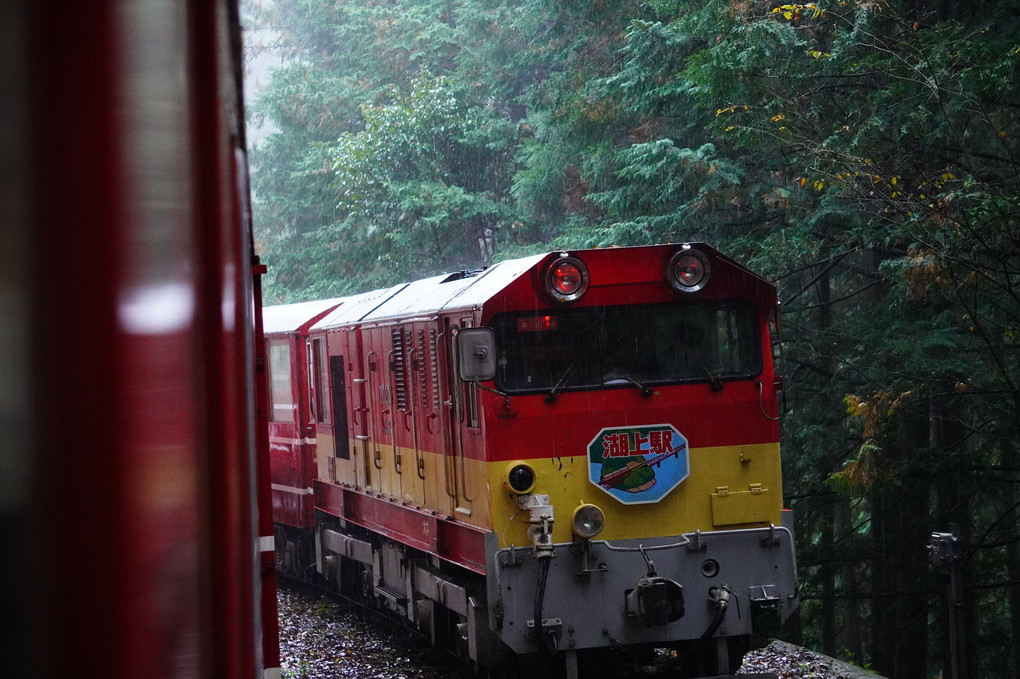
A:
{"points": [[323, 636]]}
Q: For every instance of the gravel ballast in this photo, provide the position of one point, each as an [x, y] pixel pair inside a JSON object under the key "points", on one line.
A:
{"points": [[323, 639]]}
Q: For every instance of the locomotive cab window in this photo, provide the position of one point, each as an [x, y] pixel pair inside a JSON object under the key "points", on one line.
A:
{"points": [[320, 380], [606, 347]]}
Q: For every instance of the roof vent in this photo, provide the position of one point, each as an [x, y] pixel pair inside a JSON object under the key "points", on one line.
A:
{"points": [[458, 275]]}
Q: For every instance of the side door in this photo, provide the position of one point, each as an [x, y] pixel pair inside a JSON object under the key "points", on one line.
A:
{"points": [[431, 436], [384, 465], [327, 437], [404, 364], [467, 451], [345, 409]]}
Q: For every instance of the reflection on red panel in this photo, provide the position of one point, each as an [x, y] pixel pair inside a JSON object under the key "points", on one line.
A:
{"points": [[144, 558]]}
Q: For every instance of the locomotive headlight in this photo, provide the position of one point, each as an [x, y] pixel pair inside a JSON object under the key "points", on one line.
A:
{"points": [[519, 478], [688, 270], [587, 521], [566, 279]]}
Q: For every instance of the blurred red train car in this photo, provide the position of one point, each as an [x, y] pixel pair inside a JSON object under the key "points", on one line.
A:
{"points": [[130, 435]]}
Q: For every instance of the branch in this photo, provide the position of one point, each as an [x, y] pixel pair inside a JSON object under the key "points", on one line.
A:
{"points": [[846, 297]]}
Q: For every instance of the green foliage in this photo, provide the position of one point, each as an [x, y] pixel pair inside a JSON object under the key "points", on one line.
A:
{"points": [[415, 187], [669, 193], [863, 155]]}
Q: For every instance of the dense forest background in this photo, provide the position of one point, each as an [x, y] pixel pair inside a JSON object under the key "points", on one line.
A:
{"points": [[860, 154]]}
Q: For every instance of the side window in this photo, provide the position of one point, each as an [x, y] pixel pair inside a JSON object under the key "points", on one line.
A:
{"points": [[342, 443], [320, 380], [281, 396]]}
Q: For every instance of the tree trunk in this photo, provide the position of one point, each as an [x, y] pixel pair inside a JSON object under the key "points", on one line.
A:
{"points": [[899, 609], [912, 570], [827, 576], [1011, 519], [852, 639], [882, 628], [827, 571]]}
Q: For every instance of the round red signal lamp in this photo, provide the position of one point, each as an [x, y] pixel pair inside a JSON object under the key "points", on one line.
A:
{"points": [[688, 270], [566, 279]]}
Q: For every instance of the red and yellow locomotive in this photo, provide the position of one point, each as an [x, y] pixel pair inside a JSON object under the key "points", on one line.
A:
{"points": [[558, 456]]}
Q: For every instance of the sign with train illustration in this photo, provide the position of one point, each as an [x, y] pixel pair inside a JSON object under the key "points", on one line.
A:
{"points": [[638, 465]]}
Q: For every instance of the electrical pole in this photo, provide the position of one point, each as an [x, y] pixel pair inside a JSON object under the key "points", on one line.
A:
{"points": [[945, 551]]}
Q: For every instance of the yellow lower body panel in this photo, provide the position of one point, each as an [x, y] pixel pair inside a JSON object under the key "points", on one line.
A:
{"points": [[450, 485], [751, 476], [728, 487], [742, 507]]}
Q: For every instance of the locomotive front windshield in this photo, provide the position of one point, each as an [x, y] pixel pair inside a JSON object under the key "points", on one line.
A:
{"points": [[601, 347]]}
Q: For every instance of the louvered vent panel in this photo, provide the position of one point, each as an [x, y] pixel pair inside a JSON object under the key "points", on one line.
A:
{"points": [[399, 368], [434, 366], [420, 369]]}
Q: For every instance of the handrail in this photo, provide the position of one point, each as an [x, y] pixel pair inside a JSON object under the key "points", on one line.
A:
{"points": [[393, 416], [459, 433], [419, 460], [441, 338], [372, 361]]}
